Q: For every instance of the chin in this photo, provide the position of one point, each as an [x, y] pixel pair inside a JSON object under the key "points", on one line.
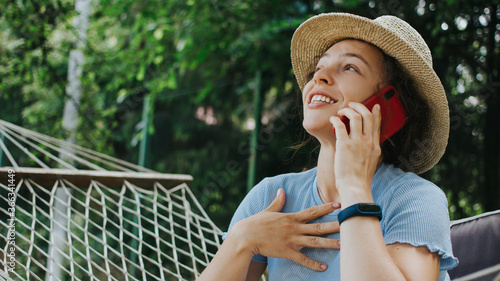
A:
{"points": [[317, 129], [309, 126]]}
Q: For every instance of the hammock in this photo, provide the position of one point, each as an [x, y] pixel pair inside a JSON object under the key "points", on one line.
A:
{"points": [[70, 213]]}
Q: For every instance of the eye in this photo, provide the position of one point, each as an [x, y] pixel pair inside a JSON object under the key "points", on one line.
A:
{"points": [[350, 67]]}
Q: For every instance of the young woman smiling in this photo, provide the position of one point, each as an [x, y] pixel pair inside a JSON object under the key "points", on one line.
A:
{"points": [[363, 213]]}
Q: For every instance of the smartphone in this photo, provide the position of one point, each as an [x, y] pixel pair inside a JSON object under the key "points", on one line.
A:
{"points": [[394, 116]]}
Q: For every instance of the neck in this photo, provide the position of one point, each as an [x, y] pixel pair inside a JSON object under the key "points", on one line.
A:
{"points": [[326, 176]]}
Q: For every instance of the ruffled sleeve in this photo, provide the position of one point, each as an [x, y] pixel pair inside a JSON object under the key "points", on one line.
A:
{"points": [[416, 212]]}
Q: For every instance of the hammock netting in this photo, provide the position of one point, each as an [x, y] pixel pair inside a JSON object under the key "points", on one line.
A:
{"points": [[69, 213]]}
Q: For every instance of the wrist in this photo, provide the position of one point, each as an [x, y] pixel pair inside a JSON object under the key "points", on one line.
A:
{"points": [[240, 240], [350, 195], [360, 210]]}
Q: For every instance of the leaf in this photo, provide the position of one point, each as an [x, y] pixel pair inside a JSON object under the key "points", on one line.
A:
{"points": [[140, 74], [204, 93], [171, 82]]}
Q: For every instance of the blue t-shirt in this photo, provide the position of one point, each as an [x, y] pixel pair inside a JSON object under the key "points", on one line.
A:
{"points": [[414, 211]]}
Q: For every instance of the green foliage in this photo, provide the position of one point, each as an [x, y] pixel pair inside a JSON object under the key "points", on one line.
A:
{"points": [[33, 62], [197, 61]]}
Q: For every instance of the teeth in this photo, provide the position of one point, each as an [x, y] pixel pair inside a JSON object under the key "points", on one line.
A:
{"points": [[322, 99]]}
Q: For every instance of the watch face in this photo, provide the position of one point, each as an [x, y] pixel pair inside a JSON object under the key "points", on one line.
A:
{"points": [[371, 208]]}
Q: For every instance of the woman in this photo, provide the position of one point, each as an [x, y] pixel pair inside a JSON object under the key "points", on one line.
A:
{"points": [[394, 224]]}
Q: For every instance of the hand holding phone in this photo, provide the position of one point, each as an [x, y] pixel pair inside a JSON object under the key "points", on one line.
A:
{"points": [[394, 116]]}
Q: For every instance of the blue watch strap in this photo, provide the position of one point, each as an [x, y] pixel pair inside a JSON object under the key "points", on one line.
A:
{"points": [[360, 209]]}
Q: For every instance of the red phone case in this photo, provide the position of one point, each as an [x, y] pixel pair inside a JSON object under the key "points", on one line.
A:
{"points": [[393, 113]]}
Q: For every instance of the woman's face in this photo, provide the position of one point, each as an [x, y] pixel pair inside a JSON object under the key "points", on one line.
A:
{"points": [[350, 71]]}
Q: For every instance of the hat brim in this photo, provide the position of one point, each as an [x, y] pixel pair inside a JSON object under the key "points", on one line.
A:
{"points": [[313, 38]]}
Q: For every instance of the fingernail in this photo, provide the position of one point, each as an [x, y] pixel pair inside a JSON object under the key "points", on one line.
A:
{"points": [[336, 205], [323, 266], [338, 242], [377, 106], [279, 192]]}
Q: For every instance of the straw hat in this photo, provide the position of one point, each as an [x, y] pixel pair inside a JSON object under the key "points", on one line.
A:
{"points": [[397, 39]]}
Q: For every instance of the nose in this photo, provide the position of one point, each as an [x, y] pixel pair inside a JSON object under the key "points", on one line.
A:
{"points": [[323, 76]]}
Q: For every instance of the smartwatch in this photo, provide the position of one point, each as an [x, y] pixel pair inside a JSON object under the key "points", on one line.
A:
{"points": [[360, 209]]}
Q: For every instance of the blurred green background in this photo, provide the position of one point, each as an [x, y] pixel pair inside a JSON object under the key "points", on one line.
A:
{"points": [[194, 76]]}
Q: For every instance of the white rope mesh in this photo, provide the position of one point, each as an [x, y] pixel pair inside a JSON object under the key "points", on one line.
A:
{"points": [[174, 238], [82, 215], [38, 146]]}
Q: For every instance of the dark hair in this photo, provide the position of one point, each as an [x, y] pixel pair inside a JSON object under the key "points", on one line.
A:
{"points": [[398, 149]]}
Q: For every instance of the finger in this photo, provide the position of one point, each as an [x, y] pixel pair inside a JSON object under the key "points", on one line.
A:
{"points": [[355, 121], [319, 228], [318, 242], [315, 212], [278, 202], [306, 261], [339, 127], [377, 116], [366, 115]]}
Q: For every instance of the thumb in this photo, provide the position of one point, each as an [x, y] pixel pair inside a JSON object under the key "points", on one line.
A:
{"points": [[278, 202]]}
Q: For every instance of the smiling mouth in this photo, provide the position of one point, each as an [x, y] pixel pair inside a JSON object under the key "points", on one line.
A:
{"points": [[321, 99]]}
